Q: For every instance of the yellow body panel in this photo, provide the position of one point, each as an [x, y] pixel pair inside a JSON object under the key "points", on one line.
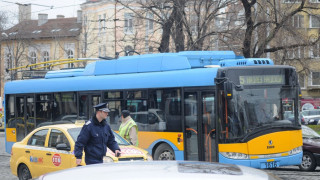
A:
{"points": [[146, 138], [41, 160], [272, 143]]}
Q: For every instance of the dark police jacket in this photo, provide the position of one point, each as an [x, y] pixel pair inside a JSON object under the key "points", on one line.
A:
{"points": [[94, 138]]}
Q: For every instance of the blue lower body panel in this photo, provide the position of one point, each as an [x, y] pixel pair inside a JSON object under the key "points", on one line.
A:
{"points": [[265, 163]]}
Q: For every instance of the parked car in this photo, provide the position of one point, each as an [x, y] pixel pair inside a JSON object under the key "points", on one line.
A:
{"points": [[168, 170], [50, 148], [311, 116], [311, 149], [152, 120]]}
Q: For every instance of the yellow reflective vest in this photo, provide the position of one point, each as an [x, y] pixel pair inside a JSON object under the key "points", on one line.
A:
{"points": [[124, 130]]}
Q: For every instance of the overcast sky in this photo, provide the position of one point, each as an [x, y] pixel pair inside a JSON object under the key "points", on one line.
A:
{"points": [[68, 8]]}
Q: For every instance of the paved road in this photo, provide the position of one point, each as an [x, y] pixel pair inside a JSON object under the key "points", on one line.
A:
{"points": [[285, 173], [5, 172]]}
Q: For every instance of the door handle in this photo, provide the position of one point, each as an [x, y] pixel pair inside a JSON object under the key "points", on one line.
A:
{"points": [[49, 154], [27, 151]]}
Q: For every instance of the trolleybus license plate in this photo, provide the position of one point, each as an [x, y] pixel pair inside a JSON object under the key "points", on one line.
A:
{"points": [[272, 164]]}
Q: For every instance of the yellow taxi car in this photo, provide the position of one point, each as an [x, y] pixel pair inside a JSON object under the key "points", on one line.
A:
{"points": [[50, 148]]}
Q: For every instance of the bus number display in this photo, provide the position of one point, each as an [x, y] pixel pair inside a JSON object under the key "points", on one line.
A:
{"points": [[261, 79]]}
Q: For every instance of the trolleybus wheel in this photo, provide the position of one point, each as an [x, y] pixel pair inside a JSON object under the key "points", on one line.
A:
{"points": [[164, 152], [24, 172], [308, 162]]}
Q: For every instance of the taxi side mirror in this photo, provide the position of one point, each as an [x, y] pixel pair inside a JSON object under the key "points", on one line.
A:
{"points": [[63, 146]]}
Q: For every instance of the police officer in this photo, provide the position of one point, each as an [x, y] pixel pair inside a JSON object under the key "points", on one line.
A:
{"points": [[95, 136], [128, 128]]}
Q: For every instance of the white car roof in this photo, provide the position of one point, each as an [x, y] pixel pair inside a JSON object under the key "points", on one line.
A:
{"points": [[160, 170]]}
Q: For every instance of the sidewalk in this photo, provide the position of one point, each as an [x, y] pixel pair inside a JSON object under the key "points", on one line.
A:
{"points": [[2, 145]]}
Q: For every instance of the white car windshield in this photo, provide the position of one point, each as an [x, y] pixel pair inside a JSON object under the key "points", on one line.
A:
{"points": [[309, 133]]}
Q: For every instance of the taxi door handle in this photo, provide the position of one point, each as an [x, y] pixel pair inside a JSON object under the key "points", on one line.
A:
{"points": [[27, 151], [49, 154]]}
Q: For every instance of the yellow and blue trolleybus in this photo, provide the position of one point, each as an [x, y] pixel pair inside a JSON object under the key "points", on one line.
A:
{"points": [[193, 105]]}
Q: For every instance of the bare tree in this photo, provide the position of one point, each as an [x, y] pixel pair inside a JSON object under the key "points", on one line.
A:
{"points": [[14, 51], [268, 20], [89, 36], [186, 24]]}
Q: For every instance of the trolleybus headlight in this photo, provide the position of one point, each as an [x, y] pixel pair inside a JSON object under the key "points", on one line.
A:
{"points": [[234, 155], [295, 150], [149, 157], [107, 159]]}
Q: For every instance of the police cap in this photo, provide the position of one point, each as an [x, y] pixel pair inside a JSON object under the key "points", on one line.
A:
{"points": [[102, 107]]}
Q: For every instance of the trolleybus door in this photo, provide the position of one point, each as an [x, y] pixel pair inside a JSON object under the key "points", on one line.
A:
{"points": [[199, 126], [25, 120]]}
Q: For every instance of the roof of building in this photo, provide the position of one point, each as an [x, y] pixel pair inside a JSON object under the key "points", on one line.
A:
{"points": [[61, 27]]}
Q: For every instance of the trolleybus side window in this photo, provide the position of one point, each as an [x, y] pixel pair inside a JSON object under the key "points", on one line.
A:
{"points": [[10, 113], [65, 107]]}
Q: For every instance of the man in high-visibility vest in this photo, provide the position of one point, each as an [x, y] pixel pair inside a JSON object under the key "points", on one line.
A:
{"points": [[128, 128]]}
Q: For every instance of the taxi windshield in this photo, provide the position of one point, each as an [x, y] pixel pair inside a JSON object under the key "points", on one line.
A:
{"points": [[74, 133]]}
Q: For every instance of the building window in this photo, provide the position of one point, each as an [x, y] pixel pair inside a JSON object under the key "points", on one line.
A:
{"points": [[194, 27], [100, 23], [104, 22], [9, 61], [33, 57], [70, 55], [314, 1], [55, 30], [302, 81], [149, 23], [295, 53], [128, 23], [315, 78], [85, 20], [297, 21], [45, 58], [36, 32], [315, 51], [314, 21]]}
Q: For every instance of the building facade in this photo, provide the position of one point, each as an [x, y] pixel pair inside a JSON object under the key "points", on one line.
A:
{"points": [[306, 58], [112, 29], [36, 41]]}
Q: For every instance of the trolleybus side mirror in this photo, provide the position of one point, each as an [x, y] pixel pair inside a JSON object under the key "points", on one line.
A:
{"points": [[228, 86]]}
